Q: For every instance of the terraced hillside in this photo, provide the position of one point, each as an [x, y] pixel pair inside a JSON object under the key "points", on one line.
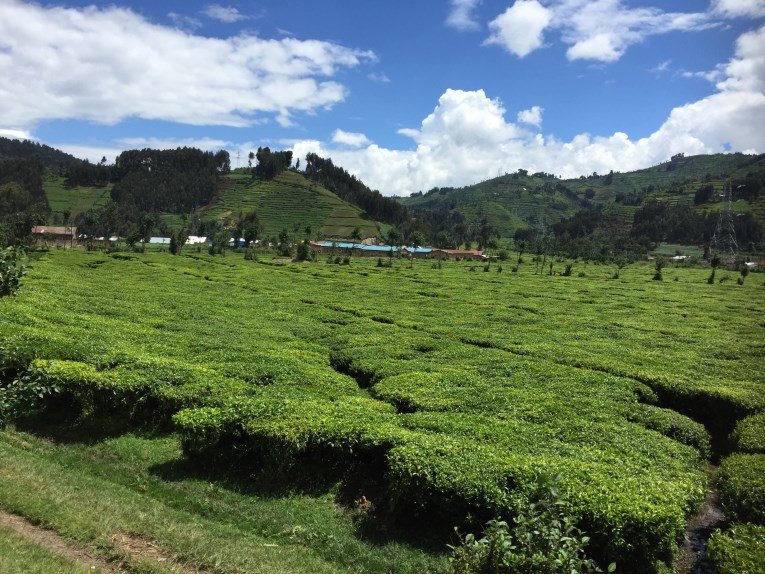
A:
{"points": [[74, 200], [517, 200], [290, 202], [250, 415]]}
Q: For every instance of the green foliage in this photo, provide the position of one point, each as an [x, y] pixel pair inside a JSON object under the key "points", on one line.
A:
{"points": [[12, 269], [302, 251], [741, 478], [739, 550], [659, 265], [23, 394], [289, 201], [352, 190], [749, 434], [271, 164], [541, 539], [674, 425], [449, 386]]}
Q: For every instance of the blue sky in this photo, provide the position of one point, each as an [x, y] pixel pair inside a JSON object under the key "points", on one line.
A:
{"points": [[407, 95]]}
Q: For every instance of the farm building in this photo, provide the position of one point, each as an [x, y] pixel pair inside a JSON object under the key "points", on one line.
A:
{"points": [[363, 250], [48, 236]]}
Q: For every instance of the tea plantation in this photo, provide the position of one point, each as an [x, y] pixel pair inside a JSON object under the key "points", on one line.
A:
{"points": [[414, 399]]}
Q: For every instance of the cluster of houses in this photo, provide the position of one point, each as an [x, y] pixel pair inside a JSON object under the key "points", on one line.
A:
{"points": [[365, 249], [66, 237]]}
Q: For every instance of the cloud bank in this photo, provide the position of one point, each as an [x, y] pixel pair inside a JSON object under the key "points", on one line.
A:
{"points": [[600, 30], [467, 137], [105, 65]]}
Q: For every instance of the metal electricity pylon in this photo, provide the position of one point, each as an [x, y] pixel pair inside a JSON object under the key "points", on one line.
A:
{"points": [[723, 242]]}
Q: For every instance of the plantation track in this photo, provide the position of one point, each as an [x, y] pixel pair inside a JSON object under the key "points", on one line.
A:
{"points": [[56, 544], [693, 557]]}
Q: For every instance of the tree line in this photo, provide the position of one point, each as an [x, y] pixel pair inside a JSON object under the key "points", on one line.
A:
{"points": [[351, 189]]}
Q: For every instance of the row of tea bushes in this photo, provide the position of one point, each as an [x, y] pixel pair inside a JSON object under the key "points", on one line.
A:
{"points": [[454, 390]]}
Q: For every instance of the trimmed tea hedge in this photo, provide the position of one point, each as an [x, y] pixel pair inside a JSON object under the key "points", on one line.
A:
{"points": [[740, 550], [453, 389], [742, 487]]}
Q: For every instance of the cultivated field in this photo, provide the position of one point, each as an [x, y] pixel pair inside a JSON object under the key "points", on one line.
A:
{"points": [[289, 201], [258, 417]]}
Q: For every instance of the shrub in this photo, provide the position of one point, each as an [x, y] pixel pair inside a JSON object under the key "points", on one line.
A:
{"points": [[674, 425], [22, 395], [749, 434], [658, 267], [12, 269], [569, 269], [541, 538], [741, 479], [740, 550]]}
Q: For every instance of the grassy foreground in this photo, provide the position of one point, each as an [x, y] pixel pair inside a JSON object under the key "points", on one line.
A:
{"points": [[344, 413], [140, 485], [19, 555]]}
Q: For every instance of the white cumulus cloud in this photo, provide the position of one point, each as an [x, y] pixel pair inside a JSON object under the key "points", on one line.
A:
{"points": [[532, 116], [520, 28], [467, 137], [105, 65], [462, 14], [600, 30], [350, 139]]}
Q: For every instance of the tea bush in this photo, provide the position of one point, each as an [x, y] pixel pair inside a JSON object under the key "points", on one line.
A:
{"points": [[455, 388], [740, 550], [742, 487]]}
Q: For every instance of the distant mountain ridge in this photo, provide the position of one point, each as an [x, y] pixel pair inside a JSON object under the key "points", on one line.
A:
{"points": [[522, 200]]}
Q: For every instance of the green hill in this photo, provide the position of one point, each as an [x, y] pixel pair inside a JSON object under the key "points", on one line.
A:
{"points": [[75, 200], [289, 201], [520, 200]]}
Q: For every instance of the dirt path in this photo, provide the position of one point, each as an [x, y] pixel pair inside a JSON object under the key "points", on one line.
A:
{"points": [[55, 543], [138, 548], [693, 558]]}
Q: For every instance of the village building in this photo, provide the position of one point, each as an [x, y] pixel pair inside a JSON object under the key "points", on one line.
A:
{"points": [[379, 250], [50, 236]]}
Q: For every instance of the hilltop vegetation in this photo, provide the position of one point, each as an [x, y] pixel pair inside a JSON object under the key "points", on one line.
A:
{"points": [[677, 201], [603, 217], [433, 407], [52, 158], [288, 201]]}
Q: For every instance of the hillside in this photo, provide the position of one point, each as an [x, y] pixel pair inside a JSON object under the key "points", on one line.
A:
{"points": [[51, 158], [520, 200], [290, 202], [74, 200]]}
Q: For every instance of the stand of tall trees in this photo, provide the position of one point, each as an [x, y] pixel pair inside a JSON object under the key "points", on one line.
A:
{"points": [[271, 163], [51, 158], [352, 190], [86, 174], [176, 181]]}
